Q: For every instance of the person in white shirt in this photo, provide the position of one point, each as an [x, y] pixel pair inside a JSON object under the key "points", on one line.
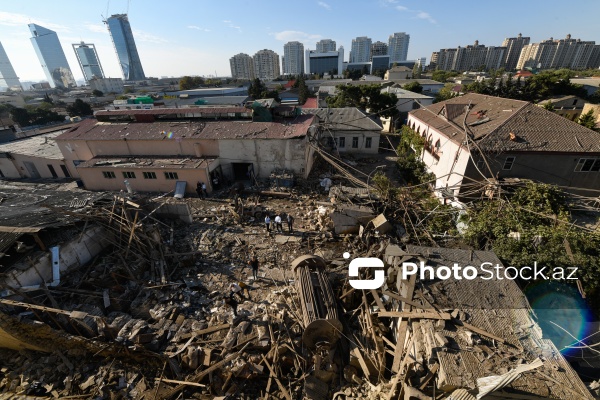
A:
{"points": [[278, 224]]}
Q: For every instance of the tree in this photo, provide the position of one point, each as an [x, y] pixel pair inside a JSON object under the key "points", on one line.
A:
{"points": [[365, 97], [257, 89], [20, 116], [588, 119], [189, 82], [79, 108], [303, 92], [97, 93], [445, 93], [548, 106], [442, 76], [413, 87], [47, 99], [417, 71]]}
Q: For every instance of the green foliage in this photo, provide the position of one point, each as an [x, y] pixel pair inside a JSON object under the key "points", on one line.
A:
{"points": [[539, 213], [122, 97], [380, 73], [410, 141], [417, 71], [303, 92], [257, 89], [413, 87], [128, 90], [385, 187], [445, 93], [79, 108], [548, 106], [97, 93], [443, 76], [34, 116], [190, 82], [588, 119], [365, 97], [412, 169]]}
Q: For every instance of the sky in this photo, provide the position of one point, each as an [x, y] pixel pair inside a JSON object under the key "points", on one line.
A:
{"points": [[190, 37]]}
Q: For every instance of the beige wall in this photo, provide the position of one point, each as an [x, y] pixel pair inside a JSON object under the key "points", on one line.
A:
{"points": [[348, 137], [93, 179], [19, 169]]}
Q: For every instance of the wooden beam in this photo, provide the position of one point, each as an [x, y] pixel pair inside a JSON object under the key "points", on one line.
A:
{"points": [[482, 332], [286, 394], [403, 328], [180, 382], [363, 364], [415, 315], [377, 300], [405, 300]]}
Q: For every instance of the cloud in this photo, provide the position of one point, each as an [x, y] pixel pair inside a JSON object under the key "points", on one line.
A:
{"points": [[198, 28], [230, 24], [14, 19], [147, 37], [324, 5], [98, 28], [425, 16], [290, 36], [401, 8]]}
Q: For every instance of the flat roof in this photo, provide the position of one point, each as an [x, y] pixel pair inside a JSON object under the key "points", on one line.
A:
{"points": [[42, 146], [137, 162]]}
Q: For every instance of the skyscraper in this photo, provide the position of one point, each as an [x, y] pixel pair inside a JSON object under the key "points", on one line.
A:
{"points": [[8, 77], [562, 53], [52, 57], [242, 66], [361, 50], [513, 50], [398, 46], [378, 49], [88, 60], [293, 58], [325, 45], [122, 38], [266, 64]]}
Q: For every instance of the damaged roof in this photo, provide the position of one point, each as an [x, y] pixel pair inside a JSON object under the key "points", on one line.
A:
{"points": [[500, 124], [147, 161], [345, 119], [214, 130]]}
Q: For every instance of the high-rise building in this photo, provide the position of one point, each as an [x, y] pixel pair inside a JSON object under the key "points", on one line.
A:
{"points": [[52, 57], [122, 38], [88, 60], [242, 67], [513, 50], [8, 77], [469, 58], [329, 62], [398, 46], [562, 53], [378, 49], [293, 58], [361, 50], [325, 45], [266, 64]]}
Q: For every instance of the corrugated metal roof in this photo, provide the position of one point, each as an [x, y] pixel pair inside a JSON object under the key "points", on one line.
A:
{"points": [[345, 119]]}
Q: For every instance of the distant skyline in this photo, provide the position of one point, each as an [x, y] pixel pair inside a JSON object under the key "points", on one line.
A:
{"points": [[189, 37]]}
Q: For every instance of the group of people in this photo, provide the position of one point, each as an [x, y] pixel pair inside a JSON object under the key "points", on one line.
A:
{"points": [[277, 223], [201, 186]]}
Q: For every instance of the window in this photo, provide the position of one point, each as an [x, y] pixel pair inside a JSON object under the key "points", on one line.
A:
{"points": [[149, 175], [368, 142], [355, 142], [52, 171], [128, 175], [342, 142], [437, 146], [171, 175], [588, 165], [109, 174], [508, 163], [65, 171]]}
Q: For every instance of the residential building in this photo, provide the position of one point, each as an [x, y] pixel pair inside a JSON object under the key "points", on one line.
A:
{"points": [[469, 58], [326, 45], [266, 65], [398, 46], [293, 58], [360, 51], [562, 53], [155, 149], [122, 38], [52, 57], [407, 101], [8, 76], [570, 107], [378, 49], [331, 62], [430, 87], [107, 85], [88, 60], [591, 85], [242, 67], [595, 109], [507, 139], [513, 50], [348, 130], [398, 73]]}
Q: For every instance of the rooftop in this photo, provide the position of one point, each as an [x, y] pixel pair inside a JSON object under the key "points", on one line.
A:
{"points": [[345, 119], [178, 130], [146, 162], [403, 82], [491, 120], [404, 94], [36, 146]]}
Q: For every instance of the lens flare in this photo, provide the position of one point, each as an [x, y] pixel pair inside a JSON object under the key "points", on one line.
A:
{"points": [[560, 305]]}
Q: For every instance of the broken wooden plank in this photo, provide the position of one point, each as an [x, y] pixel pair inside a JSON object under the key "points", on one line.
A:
{"points": [[180, 382], [284, 391], [204, 331], [414, 315], [403, 327], [356, 352], [482, 332], [429, 375], [377, 300], [405, 300]]}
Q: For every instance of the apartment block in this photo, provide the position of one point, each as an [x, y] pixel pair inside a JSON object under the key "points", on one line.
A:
{"points": [[242, 67]]}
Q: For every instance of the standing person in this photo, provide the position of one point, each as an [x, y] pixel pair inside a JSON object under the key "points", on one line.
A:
{"points": [[278, 223], [268, 223], [230, 301], [254, 265], [236, 289], [204, 192], [199, 189], [290, 222]]}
